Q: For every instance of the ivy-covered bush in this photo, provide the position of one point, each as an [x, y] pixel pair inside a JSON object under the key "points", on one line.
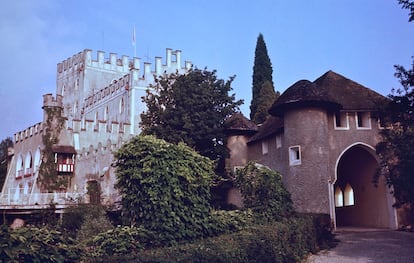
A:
{"points": [[32, 244], [263, 192], [165, 188]]}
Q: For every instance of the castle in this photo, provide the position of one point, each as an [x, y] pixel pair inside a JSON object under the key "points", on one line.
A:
{"points": [[321, 137], [96, 109]]}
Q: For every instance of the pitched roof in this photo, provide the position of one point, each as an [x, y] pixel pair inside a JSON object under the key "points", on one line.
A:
{"points": [[237, 123], [332, 91], [271, 126], [63, 149]]}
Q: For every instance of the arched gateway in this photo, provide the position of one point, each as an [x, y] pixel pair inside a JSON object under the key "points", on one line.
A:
{"points": [[358, 202]]}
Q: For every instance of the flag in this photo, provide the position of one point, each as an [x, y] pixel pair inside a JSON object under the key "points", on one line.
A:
{"points": [[133, 36]]}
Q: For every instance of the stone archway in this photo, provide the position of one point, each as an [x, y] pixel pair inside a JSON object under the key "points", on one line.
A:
{"points": [[363, 204]]}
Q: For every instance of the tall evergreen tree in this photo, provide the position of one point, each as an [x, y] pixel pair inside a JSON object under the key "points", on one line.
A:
{"points": [[262, 72], [265, 100]]}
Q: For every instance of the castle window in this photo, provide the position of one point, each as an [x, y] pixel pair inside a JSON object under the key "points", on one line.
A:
{"points": [[341, 120], [265, 147], [121, 106], [19, 167], [363, 120], [106, 113], [278, 141], [28, 169], [295, 157], [339, 197], [63, 90], [349, 195], [75, 107]]}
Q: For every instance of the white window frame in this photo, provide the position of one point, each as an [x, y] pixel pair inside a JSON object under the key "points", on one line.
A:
{"points": [[346, 127], [265, 147], [366, 118], [295, 155]]}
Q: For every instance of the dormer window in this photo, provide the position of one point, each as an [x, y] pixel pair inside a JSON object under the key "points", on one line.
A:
{"points": [[341, 121]]}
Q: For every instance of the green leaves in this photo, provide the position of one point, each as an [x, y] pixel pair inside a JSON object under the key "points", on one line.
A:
{"points": [[190, 108], [164, 187], [263, 192]]}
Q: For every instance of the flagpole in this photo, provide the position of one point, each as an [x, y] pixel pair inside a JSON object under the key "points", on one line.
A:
{"points": [[134, 42]]}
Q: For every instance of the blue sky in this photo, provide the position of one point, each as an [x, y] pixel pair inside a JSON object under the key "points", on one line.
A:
{"points": [[360, 39]]}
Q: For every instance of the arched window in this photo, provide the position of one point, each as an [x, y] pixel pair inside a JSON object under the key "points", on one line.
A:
{"points": [[339, 198], [19, 167], [37, 159], [349, 195], [28, 165], [63, 90]]}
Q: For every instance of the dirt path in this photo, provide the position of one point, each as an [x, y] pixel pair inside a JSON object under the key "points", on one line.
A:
{"points": [[379, 246]]}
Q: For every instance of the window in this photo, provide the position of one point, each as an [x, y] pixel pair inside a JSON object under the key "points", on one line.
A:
{"points": [[349, 195], [363, 120], [339, 197], [278, 141], [75, 107], [265, 147], [294, 155], [106, 113], [121, 106], [341, 120], [63, 90]]}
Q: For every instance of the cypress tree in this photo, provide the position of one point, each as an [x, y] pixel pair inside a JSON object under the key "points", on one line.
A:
{"points": [[262, 72]]}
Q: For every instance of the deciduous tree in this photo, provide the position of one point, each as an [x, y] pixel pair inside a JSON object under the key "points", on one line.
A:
{"points": [[190, 108], [4, 146], [396, 148]]}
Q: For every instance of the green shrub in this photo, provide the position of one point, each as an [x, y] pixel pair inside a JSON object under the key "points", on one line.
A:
{"points": [[165, 188], [263, 192], [287, 241], [120, 241], [32, 244], [94, 222]]}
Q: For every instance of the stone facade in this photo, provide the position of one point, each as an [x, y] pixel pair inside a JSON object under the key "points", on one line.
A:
{"points": [[100, 101], [313, 129]]}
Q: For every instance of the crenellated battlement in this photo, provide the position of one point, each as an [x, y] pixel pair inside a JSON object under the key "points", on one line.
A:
{"points": [[123, 64], [50, 101], [28, 133], [108, 92]]}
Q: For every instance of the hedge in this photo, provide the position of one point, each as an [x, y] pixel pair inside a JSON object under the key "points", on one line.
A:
{"points": [[287, 241]]}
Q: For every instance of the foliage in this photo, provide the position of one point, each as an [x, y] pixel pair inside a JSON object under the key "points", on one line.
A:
{"points": [[164, 188], [263, 192], [31, 244], [94, 222], [287, 241], [265, 100], [397, 157], [120, 241], [4, 146], [190, 108], [397, 142], [407, 4], [48, 178], [262, 72]]}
